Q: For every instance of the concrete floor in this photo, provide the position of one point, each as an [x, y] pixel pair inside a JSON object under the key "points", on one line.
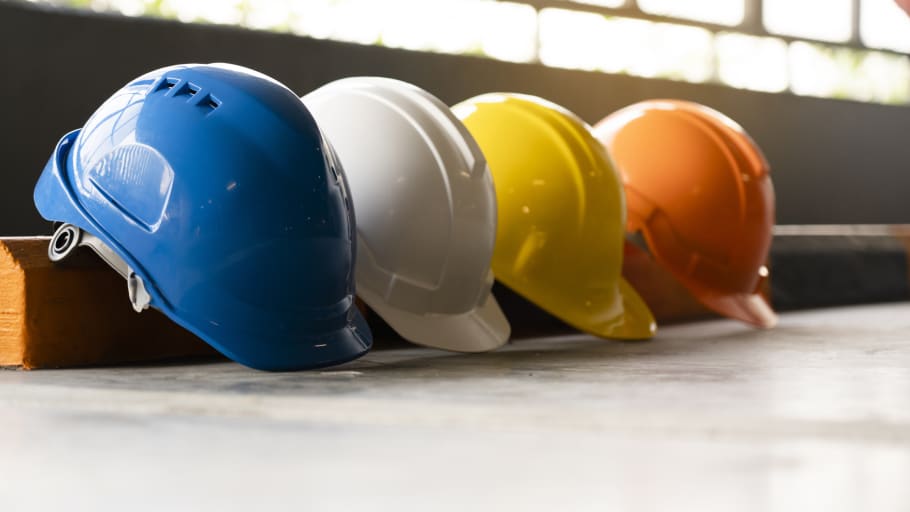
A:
{"points": [[814, 415]]}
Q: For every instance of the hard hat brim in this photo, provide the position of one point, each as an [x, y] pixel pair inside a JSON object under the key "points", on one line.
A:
{"points": [[752, 309], [340, 346], [638, 321], [483, 329], [621, 316]]}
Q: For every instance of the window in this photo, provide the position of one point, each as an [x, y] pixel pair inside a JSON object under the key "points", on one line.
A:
{"points": [[749, 62], [723, 12], [884, 25], [448, 26], [602, 3], [806, 47], [592, 41], [576, 40], [817, 70], [825, 20]]}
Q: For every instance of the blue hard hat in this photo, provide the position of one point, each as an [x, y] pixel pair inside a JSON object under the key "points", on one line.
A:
{"points": [[213, 190]]}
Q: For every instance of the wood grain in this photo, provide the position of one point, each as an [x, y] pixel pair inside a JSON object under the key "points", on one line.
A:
{"points": [[55, 316]]}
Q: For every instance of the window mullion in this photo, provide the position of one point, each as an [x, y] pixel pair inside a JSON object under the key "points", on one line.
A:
{"points": [[752, 17], [855, 27]]}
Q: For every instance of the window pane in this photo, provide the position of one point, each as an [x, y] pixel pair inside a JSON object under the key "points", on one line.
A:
{"points": [[884, 25], [128, 7], [603, 3], [677, 52], [229, 12], [619, 45], [573, 39], [724, 12], [459, 26], [508, 31], [756, 63], [817, 70], [502, 30], [825, 20], [355, 21], [125, 7], [269, 14]]}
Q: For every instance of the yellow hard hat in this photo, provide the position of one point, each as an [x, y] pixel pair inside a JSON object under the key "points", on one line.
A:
{"points": [[560, 234]]}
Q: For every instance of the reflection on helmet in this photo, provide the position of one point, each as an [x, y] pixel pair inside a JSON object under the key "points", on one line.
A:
{"points": [[426, 211], [698, 189], [212, 189], [561, 214]]}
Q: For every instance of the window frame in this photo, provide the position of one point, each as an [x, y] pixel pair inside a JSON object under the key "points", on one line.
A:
{"points": [[752, 23]]}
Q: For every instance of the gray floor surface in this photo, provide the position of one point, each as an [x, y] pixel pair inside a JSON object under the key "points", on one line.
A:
{"points": [[813, 415]]}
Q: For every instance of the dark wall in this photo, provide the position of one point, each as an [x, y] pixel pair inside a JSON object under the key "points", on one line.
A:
{"points": [[833, 161]]}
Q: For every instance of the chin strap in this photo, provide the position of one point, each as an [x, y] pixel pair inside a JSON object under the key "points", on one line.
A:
{"points": [[67, 238]]}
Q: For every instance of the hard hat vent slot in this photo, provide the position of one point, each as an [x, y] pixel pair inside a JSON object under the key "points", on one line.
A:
{"points": [[167, 84], [187, 89], [209, 102]]}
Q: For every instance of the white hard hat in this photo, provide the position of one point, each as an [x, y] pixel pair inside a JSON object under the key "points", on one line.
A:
{"points": [[425, 211]]}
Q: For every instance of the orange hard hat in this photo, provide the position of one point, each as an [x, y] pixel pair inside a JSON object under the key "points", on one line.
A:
{"points": [[698, 190]]}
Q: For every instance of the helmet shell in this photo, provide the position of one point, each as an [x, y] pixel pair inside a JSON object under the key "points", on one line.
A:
{"points": [[427, 211], [216, 186], [699, 190], [561, 214]]}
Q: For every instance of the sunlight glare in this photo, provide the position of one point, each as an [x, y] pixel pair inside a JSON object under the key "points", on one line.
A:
{"points": [[722, 12], [824, 20], [884, 25], [755, 63]]}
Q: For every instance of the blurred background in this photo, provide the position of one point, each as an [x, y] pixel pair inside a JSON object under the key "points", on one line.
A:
{"points": [[822, 85]]}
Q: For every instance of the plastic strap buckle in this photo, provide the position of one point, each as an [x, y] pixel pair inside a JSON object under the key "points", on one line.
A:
{"points": [[67, 238]]}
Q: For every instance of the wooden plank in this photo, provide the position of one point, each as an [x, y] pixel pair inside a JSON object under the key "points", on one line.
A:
{"points": [[12, 306], [55, 316]]}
